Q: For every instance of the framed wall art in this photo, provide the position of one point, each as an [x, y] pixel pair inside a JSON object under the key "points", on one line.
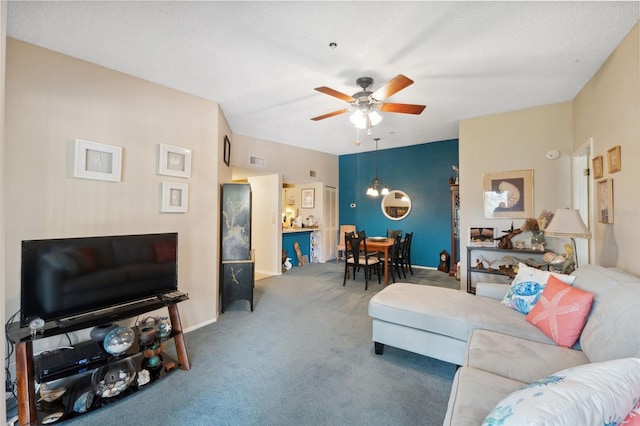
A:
{"points": [[308, 198], [614, 160], [482, 236], [598, 167], [227, 151], [175, 197], [174, 161], [508, 194], [604, 193], [94, 160]]}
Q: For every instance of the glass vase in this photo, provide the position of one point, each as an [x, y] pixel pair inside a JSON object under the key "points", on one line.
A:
{"points": [[537, 240]]}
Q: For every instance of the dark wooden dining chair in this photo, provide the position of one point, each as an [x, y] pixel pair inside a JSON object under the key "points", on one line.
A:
{"points": [[404, 259], [394, 255], [356, 249], [391, 233]]}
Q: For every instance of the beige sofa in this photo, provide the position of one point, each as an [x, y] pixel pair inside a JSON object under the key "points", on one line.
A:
{"points": [[497, 349]]}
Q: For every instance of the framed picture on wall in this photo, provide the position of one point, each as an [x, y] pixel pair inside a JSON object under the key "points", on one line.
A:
{"points": [[598, 167], [482, 236], [614, 160], [604, 193], [227, 151], [174, 161], [175, 197], [508, 194], [308, 198], [98, 161]]}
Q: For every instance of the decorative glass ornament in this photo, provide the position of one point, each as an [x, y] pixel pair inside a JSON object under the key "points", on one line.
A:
{"points": [[164, 326], [119, 340]]}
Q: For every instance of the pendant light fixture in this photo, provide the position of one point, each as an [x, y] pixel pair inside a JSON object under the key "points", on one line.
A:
{"points": [[372, 191]]}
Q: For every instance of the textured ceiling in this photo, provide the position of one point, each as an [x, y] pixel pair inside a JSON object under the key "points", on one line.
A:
{"points": [[261, 60]]}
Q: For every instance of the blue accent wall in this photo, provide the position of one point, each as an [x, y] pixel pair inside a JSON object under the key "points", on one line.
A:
{"points": [[422, 171]]}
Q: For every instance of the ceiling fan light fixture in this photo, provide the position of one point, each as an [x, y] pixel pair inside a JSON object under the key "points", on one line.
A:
{"points": [[375, 117], [359, 119]]}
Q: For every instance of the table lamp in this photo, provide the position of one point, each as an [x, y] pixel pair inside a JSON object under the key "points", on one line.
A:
{"points": [[568, 223]]}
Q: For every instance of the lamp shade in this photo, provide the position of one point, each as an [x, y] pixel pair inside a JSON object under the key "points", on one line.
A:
{"points": [[567, 223]]}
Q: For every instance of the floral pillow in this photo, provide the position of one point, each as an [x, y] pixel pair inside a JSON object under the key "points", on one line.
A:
{"points": [[592, 394], [561, 312], [527, 287]]}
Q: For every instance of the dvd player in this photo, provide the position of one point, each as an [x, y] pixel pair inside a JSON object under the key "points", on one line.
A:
{"points": [[51, 365]]}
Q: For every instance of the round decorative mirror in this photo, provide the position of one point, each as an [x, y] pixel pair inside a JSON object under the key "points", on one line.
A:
{"points": [[396, 205]]}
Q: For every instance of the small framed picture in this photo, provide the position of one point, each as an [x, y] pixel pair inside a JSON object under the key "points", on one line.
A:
{"points": [[308, 198], [614, 160], [175, 197], [174, 161], [604, 194], [598, 167], [227, 151], [482, 236], [94, 160]]}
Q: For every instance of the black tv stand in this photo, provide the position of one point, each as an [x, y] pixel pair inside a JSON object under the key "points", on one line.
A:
{"points": [[26, 371]]}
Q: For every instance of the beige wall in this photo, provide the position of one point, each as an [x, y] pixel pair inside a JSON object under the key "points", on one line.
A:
{"points": [[52, 99], [516, 140], [293, 163], [607, 109]]}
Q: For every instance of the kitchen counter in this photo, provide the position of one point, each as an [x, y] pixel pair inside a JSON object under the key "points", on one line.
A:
{"points": [[294, 230]]}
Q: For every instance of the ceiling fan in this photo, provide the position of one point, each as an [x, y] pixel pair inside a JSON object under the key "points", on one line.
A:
{"points": [[366, 104]]}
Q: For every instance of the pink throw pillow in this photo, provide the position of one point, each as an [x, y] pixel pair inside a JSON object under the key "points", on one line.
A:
{"points": [[561, 312], [633, 418]]}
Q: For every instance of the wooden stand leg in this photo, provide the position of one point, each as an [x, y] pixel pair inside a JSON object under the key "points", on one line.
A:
{"points": [[181, 348], [26, 385]]}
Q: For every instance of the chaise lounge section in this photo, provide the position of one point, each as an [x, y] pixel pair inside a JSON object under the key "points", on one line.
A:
{"points": [[499, 351]]}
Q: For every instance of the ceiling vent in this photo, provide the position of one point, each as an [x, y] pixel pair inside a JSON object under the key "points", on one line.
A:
{"points": [[256, 161]]}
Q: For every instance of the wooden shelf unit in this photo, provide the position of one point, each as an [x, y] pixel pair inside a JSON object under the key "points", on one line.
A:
{"points": [[531, 257]]}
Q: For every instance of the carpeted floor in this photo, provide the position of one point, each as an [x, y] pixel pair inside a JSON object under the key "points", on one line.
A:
{"points": [[303, 357]]}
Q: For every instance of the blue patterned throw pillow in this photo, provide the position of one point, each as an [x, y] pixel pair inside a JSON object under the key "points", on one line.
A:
{"points": [[527, 287]]}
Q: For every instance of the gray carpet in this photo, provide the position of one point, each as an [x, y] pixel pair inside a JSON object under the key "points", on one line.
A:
{"points": [[303, 357]]}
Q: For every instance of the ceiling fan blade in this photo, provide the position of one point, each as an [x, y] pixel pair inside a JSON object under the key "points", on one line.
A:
{"points": [[331, 114], [395, 85], [403, 108], [335, 93]]}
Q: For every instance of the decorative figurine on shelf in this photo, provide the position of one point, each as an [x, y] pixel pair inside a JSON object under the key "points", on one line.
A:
{"points": [[504, 242], [479, 264], [457, 170]]}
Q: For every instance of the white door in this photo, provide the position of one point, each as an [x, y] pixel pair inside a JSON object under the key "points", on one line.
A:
{"points": [[330, 225]]}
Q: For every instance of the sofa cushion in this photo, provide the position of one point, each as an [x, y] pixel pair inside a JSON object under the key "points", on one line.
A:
{"points": [[448, 312], [474, 393], [613, 327], [518, 359], [527, 287], [597, 393], [561, 312]]}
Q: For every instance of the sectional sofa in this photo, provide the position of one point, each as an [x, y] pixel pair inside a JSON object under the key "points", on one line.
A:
{"points": [[500, 352]]}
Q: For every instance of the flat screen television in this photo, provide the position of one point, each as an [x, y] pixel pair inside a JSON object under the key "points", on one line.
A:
{"points": [[68, 277]]}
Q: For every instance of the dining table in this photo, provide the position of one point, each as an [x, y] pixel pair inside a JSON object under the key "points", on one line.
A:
{"points": [[382, 245]]}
